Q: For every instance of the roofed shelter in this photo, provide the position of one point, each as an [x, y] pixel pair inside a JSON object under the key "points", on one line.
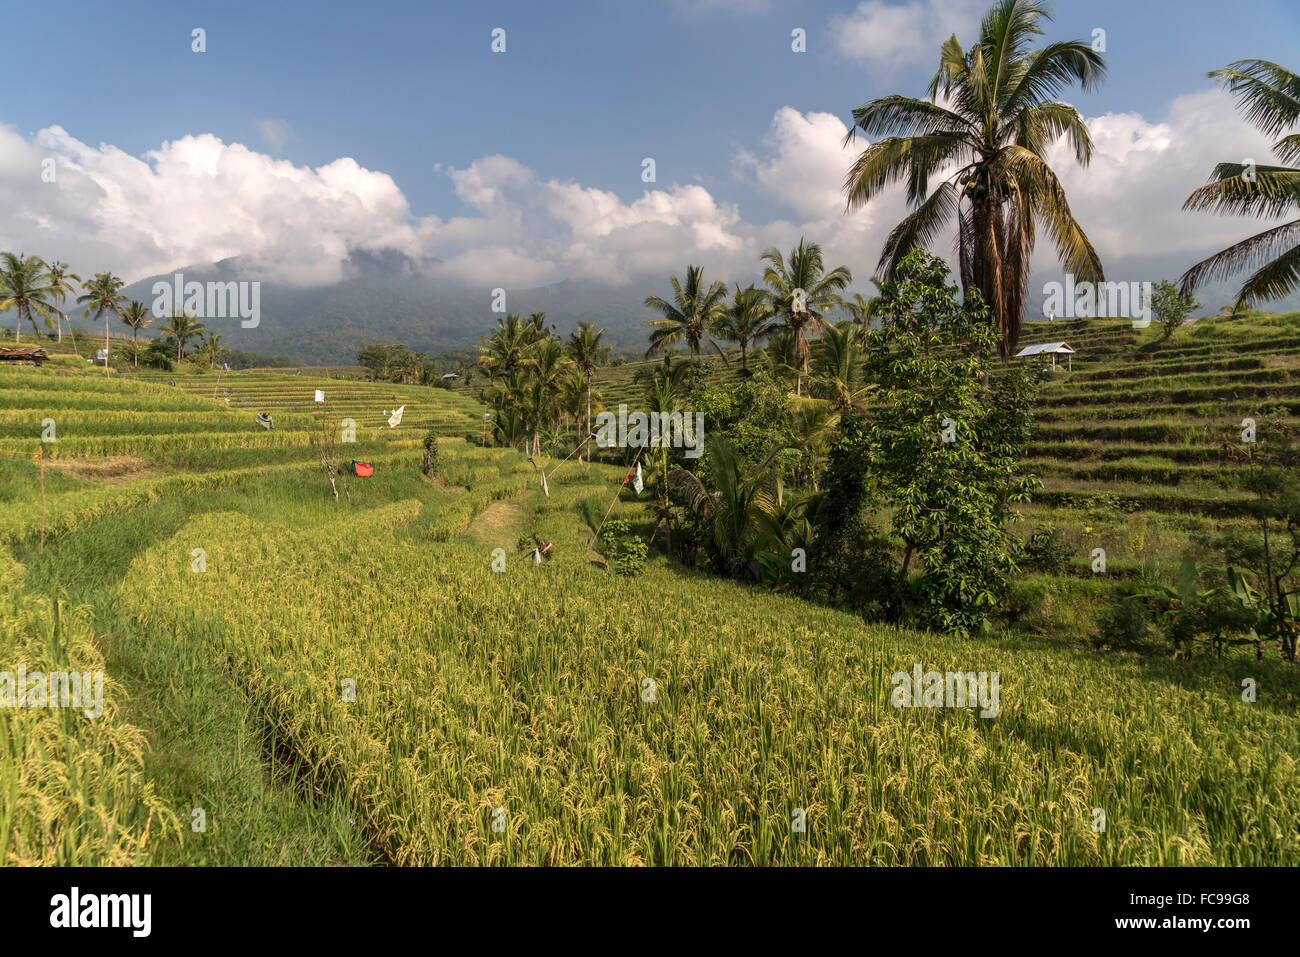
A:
{"points": [[1053, 349], [23, 354]]}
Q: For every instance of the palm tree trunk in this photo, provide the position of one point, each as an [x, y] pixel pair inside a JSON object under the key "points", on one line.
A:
{"points": [[668, 520], [105, 343], [587, 443]]}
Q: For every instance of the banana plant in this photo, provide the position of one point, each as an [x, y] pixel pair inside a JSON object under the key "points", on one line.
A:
{"points": [[1281, 621], [1226, 614]]}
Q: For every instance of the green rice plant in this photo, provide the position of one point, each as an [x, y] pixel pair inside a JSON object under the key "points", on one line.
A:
{"points": [[525, 691], [72, 786]]}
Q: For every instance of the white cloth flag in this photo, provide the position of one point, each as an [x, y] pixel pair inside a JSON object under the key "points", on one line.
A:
{"points": [[320, 396], [395, 419], [637, 483]]}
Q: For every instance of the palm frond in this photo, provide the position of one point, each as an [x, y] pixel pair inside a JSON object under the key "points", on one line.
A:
{"points": [[1243, 255]]}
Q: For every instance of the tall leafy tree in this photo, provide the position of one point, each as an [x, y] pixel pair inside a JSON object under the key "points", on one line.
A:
{"points": [[991, 116], [748, 321], [1269, 96], [211, 349], [27, 289], [588, 355], [666, 392], [575, 402], [802, 292], [782, 355], [508, 347], [546, 376], [942, 449], [690, 317], [102, 296]]}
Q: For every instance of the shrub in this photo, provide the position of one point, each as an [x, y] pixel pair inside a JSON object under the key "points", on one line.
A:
{"points": [[1045, 552], [1171, 307], [1126, 623], [624, 548], [158, 355]]}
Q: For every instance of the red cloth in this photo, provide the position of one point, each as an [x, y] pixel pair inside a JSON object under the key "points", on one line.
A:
{"points": [[363, 469]]}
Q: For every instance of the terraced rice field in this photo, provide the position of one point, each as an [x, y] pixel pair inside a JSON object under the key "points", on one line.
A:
{"points": [[352, 682], [1139, 448]]}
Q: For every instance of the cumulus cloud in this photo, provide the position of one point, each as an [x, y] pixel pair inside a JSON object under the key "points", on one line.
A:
{"points": [[802, 165], [1129, 199], [885, 37], [198, 200], [193, 200]]}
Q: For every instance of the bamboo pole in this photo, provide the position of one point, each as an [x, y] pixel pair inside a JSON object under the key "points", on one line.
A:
{"points": [[41, 455], [618, 493]]}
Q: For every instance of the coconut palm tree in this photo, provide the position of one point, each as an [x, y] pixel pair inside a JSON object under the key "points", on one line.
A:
{"points": [[838, 368], [729, 514], [801, 292], [506, 349], [103, 297], [862, 310], [666, 391], [812, 423], [137, 316], [547, 372], [26, 287], [575, 402], [690, 317], [61, 278], [1269, 96], [182, 327], [748, 321], [587, 353], [406, 367], [988, 139], [211, 348], [782, 355]]}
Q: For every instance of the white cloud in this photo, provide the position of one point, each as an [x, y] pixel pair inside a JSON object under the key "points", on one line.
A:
{"points": [[195, 200], [198, 200], [885, 37], [803, 166], [1129, 199]]}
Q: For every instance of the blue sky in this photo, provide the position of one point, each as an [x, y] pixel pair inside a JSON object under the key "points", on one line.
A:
{"points": [[582, 94]]}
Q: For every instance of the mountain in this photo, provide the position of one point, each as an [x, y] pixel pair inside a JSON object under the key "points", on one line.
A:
{"points": [[386, 299]]}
